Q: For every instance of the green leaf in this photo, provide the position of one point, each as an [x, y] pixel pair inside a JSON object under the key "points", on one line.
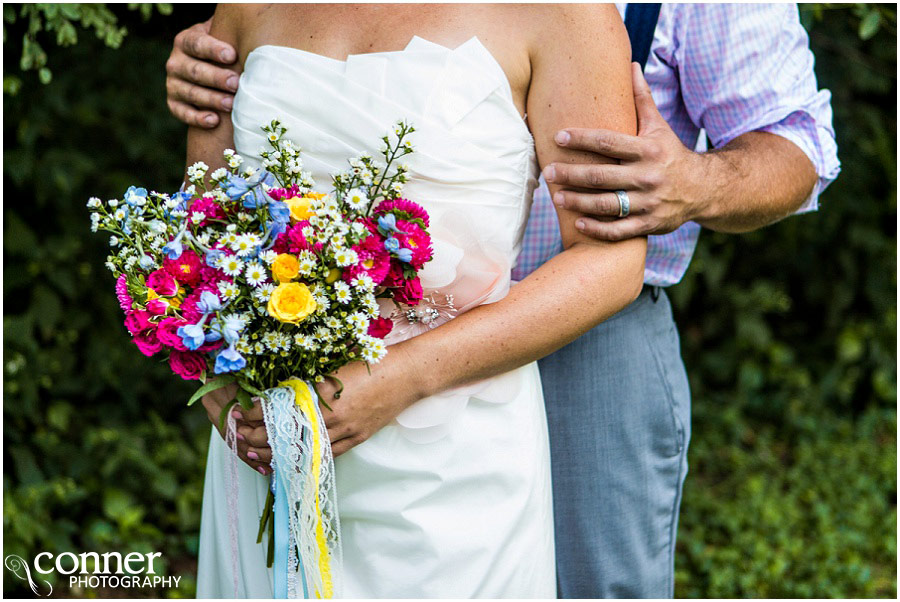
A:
{"points": [[223, 415], [45, 75], [213, 385], [868, 27], [243, 398]]}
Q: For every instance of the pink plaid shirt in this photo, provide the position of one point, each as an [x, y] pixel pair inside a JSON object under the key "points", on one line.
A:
{"points": [[725, 69]]}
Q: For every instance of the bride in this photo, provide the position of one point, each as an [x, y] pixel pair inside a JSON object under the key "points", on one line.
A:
{"points": [[443, 474]]}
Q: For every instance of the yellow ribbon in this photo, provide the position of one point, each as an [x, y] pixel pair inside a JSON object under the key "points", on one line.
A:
{"points": [[303, 397]]}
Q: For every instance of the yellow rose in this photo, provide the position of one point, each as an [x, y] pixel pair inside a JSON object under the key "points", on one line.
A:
{"points": [[291, 302], [300, 206], [285, 267]]}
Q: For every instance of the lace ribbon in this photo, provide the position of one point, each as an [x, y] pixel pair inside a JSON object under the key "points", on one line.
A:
{"points": [[305, 491]]}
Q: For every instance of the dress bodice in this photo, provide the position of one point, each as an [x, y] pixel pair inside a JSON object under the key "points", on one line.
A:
{"points": [[474, 166], [473, 169]]}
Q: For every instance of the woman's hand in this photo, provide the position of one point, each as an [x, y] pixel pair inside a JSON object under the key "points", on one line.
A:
{"points": [[367, 403], [251, 434]]}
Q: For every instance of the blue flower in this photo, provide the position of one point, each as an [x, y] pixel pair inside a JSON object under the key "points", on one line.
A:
{"points": [[132, 194], [404, 255], [387, 223], [192, 335], [229, 360], [173, 249], [392, 244], [212, 256], [232, 330], [212, 336], [279, 211], [146, 262], [235, 187], [209, 302]]}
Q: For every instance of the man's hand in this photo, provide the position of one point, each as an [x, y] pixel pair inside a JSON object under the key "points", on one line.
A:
{"points": [[654, 169], [196, 86], [251, 433]]}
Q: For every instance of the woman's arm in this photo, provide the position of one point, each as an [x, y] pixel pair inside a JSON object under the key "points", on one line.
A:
{"points": [[580, 76], [207, 144]]}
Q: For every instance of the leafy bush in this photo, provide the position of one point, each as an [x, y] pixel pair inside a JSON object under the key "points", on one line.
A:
{"points": [[789, 335]]}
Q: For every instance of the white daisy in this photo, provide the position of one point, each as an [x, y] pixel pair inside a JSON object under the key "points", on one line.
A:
{"points": [[304, 342], [228, 290], [231, 265], [268, 256], [263, 292], [255, 274], [197, 216], [342, 292], [219, 174], [346, 257], [357, 199], [363, 282]]}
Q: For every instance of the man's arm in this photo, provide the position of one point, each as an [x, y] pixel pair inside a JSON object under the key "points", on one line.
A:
{"points": [[746, 76]]}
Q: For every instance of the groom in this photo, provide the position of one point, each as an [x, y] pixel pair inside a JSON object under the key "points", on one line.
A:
{"points": [[618, 402]]}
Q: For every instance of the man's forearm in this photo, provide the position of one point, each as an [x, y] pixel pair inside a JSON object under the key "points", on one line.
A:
{"points": [[756, 179]]}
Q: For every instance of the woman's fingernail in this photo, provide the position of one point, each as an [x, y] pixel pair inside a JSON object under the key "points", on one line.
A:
{"points": [[232, 82], [252, 455], [240, 437], [227, 102], [237, 415], [261, 470], [209, 120], [226, 55], [559, 200], [580, 224], [563, 137], [549, 173]]}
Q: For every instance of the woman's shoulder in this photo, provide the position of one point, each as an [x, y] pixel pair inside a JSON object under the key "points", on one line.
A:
{"points": [[579, 27]]}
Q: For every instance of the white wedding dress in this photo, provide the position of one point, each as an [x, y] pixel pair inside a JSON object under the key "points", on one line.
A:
{"points": [[453, 499]]}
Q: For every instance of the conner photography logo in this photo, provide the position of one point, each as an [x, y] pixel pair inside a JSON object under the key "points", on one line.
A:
{"points": [[90, 570]]}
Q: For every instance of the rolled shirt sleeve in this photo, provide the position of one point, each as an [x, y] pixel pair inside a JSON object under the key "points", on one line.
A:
{"points": [[735, 80]]}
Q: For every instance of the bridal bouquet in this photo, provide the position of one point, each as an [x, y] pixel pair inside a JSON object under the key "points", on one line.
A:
{"points": [[260, 281]]}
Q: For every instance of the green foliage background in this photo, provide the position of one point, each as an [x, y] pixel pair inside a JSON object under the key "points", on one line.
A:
{"points": [[789, 333]]}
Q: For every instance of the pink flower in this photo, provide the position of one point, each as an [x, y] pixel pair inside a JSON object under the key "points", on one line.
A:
{"points": [[125, 301], [399, 207], [162, 283], [157, 307], [137, 321], [211, 346], [394, 278], [167, 333], [189, 304], [410, 293], [279, 194], [418, 241], [187, 365], [373, 260], [208, 207], [185, 269], [380, 327], [147, 342]]}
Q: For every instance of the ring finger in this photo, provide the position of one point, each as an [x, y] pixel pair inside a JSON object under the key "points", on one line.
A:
{"points": [[599, 204]]}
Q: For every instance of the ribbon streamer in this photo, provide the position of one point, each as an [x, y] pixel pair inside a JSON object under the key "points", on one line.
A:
{"points": [[307, 529]]}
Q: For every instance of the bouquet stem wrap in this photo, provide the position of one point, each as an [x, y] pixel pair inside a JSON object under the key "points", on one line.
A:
{"points": [[307, 529]]}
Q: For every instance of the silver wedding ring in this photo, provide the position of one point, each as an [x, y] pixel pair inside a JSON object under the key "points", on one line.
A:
{"points": [[624, 203]]}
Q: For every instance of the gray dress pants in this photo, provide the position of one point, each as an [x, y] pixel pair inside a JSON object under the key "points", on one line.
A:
{"points": [[618, 407]]}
